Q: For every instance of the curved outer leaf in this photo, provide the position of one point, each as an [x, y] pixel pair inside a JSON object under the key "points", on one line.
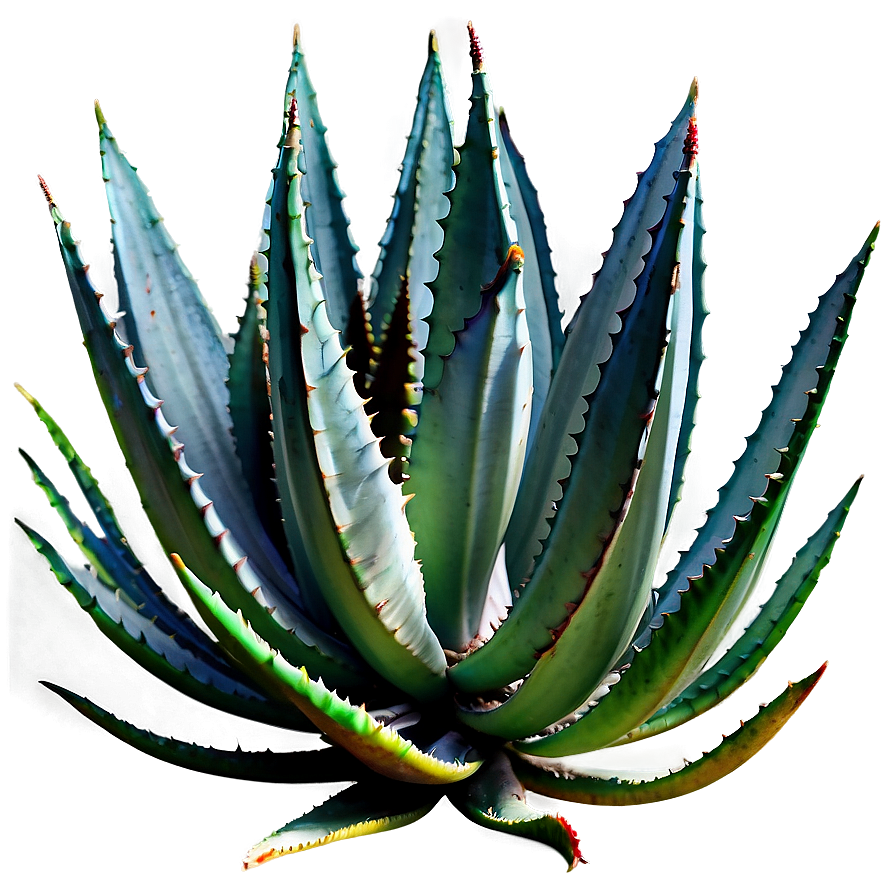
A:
{"points": [[588, 345], [183, 517], [619, 788], [128, 576], [592, 581], [687, 639], [381, 748], [345, 508], [468, 454], [495, 799], [113, 547], [412, 235], [309, 767], [364, 808], [213, 684], [791, 398], [176, 337], [762, 635], [333, 248]]}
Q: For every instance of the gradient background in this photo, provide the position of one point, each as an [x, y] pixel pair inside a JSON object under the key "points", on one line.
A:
{"points": [[796, 153]]}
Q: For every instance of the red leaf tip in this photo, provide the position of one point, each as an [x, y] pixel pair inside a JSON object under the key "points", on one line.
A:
{"points": [[47, 194], [574, 842], [475, 48]]}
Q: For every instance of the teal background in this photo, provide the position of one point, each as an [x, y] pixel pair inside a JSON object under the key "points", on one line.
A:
{"points": [[796, 137]]}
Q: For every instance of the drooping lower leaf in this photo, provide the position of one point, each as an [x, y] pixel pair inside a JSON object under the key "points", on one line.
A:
{"points": [[495, 799], [304, 767], [364, 808]]}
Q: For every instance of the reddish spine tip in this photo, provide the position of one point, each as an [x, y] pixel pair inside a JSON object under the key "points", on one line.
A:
{"points": [[691, 144], [475, 48], [47, 194], [573, 836]]}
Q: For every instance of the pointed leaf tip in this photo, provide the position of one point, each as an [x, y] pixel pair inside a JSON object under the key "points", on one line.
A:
{"points": [[433, 42], [475, 49], [694, 92], [296, 36], [97, 110], [47, 194]]}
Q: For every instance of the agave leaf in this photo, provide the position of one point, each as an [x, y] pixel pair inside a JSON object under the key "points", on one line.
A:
{"points": [[392, 391], [587, 347], [592, 582], [304, 767], [692, 268], [127, 575], [525, 208], [683, 645], [107, 549], [761, 636], [176, 337], [332, 248], [467, 456], [619, 788], [250, 410], [543, 315], [380, 748], [798, 396], [495, 799], [364, 808], [478, 218], [213, 682], [182, 517], [346, 511], [793, 414], [411, 237]]}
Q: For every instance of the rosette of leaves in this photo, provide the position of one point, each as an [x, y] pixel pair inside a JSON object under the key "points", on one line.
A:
{"points": [[425, 520]]}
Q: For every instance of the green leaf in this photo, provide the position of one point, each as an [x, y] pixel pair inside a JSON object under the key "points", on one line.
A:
{"points": [[412, 235], [182, 515], [211, 682], [588, 346], [543, 315], [467, 456], [619, 788], [379, 747], [478, 234], [364, 808], [176, 337], [333, 249], [495, 799], [761, 636], [796, 398], [250, 410], [308, 767], [591, 583], [343, 510]]}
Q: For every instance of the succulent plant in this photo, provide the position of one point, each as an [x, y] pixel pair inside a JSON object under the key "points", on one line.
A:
{"points": [[452, 573]]}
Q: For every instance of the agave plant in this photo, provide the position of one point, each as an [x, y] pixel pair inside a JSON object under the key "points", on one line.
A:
{"points": [[452, 574]]}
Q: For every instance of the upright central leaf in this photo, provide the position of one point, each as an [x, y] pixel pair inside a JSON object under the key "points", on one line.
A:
{"points": [[466, 460], [342, 503]]}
